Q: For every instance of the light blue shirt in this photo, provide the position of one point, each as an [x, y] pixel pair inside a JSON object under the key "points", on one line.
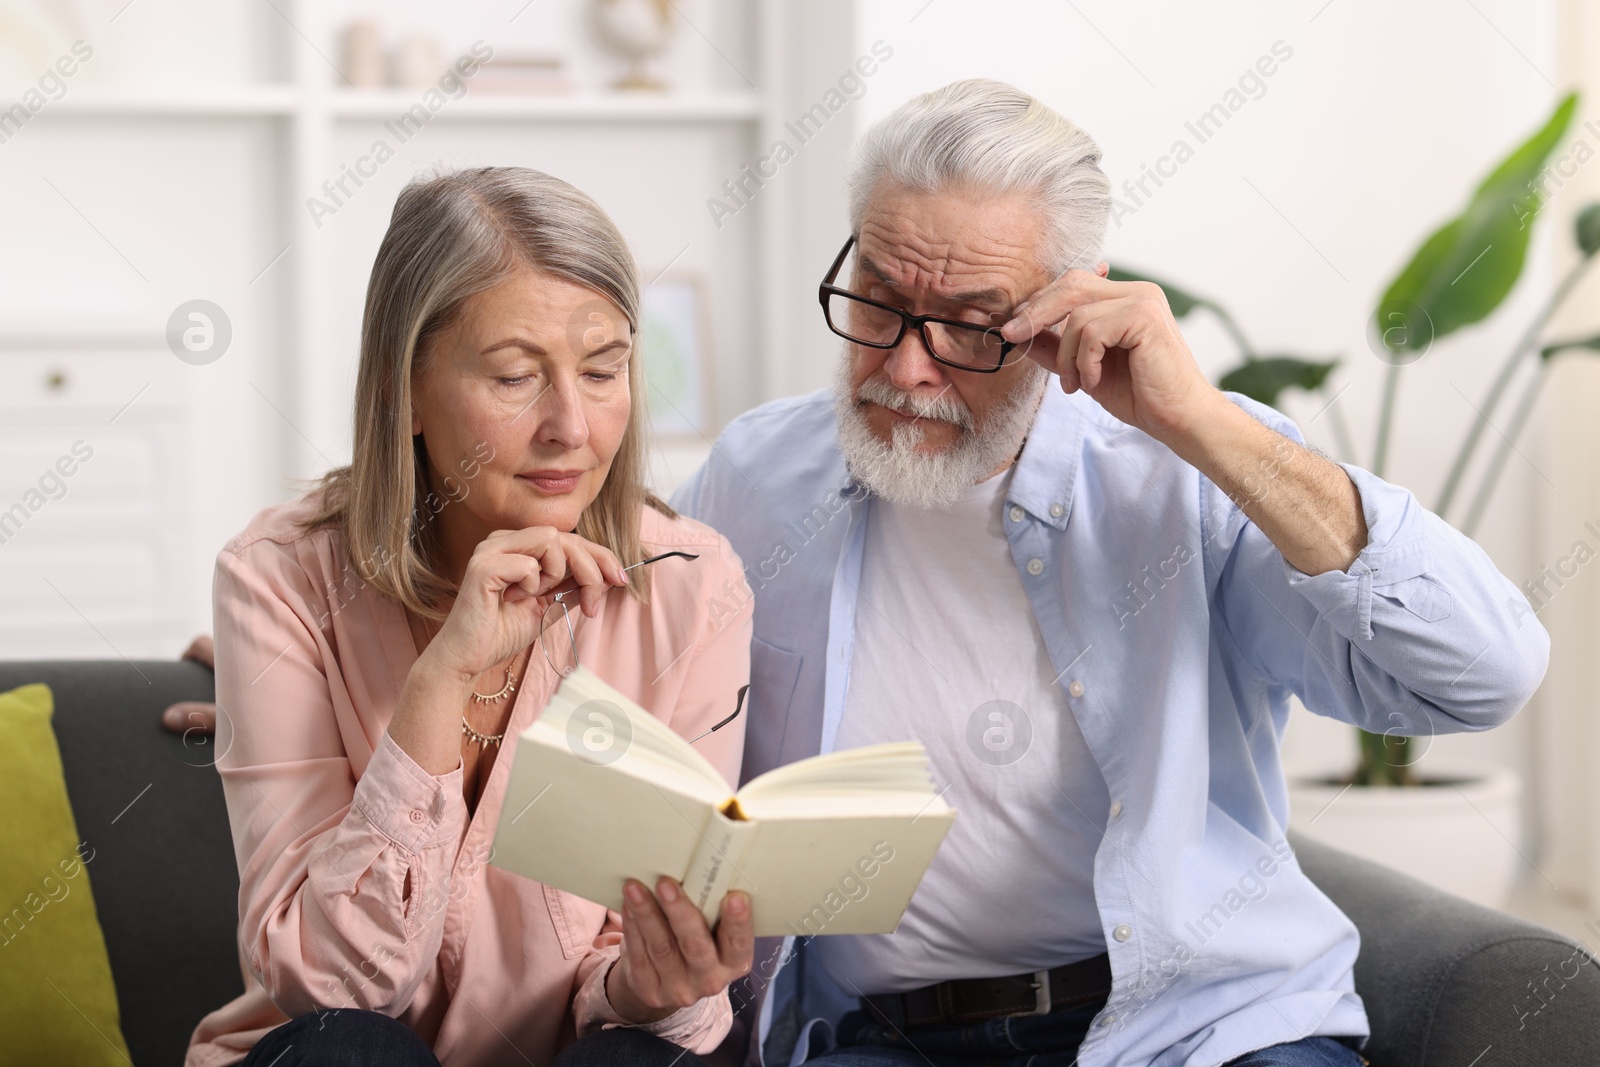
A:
{"points": [[1179, 630]]}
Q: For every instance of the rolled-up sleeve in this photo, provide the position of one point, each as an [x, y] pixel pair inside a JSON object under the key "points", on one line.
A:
{"points": [[1421, 634], [342, 882], [699, 1028]]}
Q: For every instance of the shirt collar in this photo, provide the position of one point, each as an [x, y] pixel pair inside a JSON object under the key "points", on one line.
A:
{"points": [[1047, 472]]}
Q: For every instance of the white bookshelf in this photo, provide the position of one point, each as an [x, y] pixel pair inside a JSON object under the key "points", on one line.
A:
{"points": [[175, 175], [736, 107]]}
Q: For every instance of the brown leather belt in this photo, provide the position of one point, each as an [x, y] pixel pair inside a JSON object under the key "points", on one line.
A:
{"points": [[970, 1000]]}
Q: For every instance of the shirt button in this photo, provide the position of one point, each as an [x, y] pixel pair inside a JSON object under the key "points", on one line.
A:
{"points": [[1057, 510], [415, 816], [1076, 688], [1036, 566], [1116, 808], [1105, 1020], [1016, 513], [1122, 932]]}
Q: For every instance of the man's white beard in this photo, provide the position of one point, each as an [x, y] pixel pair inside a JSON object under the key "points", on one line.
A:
{"points": [[901, 474]]}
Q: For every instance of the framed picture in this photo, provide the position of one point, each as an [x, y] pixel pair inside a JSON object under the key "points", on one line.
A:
{"points": [[673, 336]]}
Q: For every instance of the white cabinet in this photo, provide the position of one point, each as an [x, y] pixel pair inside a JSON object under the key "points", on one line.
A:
{"points": [[95, 505]]}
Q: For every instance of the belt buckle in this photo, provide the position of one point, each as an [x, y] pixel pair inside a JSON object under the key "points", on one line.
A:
{"points": [[1041, 993]]}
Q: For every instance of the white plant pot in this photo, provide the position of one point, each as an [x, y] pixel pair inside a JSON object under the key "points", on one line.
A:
{"points": [[1456, 833]]}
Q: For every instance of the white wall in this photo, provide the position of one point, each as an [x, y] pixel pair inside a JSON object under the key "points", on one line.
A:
{"points": [[1300, 210], [1567, 445]]}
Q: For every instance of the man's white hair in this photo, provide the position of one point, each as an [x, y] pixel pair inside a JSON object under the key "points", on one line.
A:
{"points": [[991, 137]]}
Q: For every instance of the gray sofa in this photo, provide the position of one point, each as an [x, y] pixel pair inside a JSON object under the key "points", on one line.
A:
{"points": [[1446, 983]]}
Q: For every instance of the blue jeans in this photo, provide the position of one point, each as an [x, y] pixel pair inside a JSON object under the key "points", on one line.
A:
{"points": [[1030, 1041], [353, 1037]]}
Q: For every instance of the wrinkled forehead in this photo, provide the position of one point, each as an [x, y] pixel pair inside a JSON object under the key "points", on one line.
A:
{"points": [[551, 313], [953, 247]]}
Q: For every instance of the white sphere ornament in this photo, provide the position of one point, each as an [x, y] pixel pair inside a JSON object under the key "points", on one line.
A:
{"points": [[634, 30]]}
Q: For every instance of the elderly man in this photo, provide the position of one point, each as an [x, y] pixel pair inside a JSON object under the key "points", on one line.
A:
{"points": [[1024, 529]]}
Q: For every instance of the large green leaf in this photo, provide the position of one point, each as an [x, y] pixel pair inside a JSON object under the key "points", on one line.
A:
{"points": [[1180, 301], [1263, 379], [1465, 269]]}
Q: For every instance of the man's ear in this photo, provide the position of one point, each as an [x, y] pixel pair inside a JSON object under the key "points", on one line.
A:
{"points": [[1104, 269]]}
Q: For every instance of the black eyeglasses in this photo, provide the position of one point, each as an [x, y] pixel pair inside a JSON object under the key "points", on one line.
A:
{"points": [[963, 345]]}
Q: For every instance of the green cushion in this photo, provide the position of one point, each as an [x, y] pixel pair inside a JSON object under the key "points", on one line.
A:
{"points": [[58, 1002]]}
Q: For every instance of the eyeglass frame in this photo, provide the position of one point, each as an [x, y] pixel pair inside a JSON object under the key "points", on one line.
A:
{"points": [[907, 321]]}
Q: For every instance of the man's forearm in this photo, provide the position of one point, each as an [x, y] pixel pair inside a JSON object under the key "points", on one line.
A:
{"points": [[1308, 507]]}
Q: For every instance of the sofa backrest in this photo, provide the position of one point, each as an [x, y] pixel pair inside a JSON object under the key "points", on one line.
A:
{"points": [[150, 805]]}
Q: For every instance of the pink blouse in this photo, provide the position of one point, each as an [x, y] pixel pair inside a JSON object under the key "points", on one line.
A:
{"points": [[363, 882]]}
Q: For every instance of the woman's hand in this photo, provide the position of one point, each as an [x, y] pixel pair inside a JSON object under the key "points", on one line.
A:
{"points": [[669, 957], [509, 584]]}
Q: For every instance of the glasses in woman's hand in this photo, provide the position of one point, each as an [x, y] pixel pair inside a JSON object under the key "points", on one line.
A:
{"points": [[563, 620]]}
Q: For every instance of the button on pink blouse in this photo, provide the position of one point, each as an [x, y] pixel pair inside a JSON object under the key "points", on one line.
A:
{"points": [[363, 883]]}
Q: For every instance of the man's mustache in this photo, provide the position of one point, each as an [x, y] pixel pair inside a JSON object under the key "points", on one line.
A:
{"points": [[942, 408]]}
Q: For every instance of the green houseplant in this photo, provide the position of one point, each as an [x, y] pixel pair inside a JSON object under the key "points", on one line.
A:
{"points": [[1458, 277]]}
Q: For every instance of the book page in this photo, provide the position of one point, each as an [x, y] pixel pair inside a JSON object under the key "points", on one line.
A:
{"points": [[601, 791], [838, 875]]}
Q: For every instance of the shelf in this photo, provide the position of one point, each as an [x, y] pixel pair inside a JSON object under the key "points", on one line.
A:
{"points": [[79, 337], [621, 107], [352, 104], [222, 100]]}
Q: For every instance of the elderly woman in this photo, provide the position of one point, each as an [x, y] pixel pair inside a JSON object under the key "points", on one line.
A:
{"points": [[382, 640]]}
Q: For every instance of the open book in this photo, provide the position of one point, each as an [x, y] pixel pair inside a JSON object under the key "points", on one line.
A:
{"points": [[601, 790]]}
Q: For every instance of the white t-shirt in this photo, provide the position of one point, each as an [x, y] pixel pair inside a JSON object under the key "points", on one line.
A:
{"points": [[947, 652]]}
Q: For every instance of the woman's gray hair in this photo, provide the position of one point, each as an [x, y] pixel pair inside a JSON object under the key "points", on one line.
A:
{"points": [[454, 235], [991, 137]]}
